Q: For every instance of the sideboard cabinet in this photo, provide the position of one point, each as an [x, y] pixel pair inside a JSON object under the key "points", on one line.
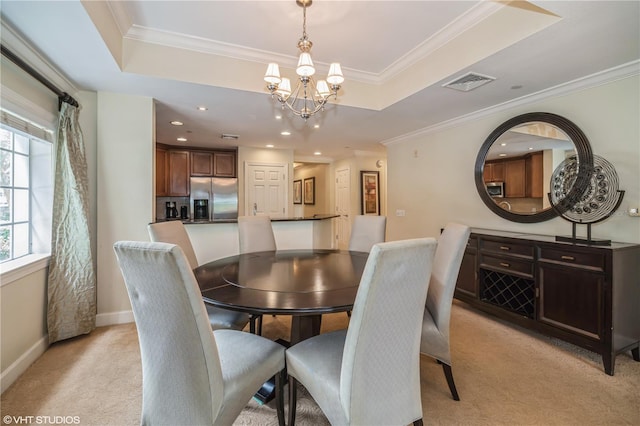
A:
{"points": [[586, 295]]}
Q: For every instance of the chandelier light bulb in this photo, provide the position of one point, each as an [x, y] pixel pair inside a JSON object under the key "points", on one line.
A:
{"points": [[272, 76], [305, 65], [335, 76], [323, 88], [284, 88]]}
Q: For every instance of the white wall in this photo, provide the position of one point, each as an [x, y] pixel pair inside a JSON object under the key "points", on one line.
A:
{"points": [[432, 174], [125, 170]]}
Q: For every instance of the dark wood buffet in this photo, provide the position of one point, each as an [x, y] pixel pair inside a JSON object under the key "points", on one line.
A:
{"points": [[583, 294]]}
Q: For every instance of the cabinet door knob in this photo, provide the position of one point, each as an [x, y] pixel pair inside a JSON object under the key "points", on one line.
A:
{"points": [[506, 265], [568, 258]]}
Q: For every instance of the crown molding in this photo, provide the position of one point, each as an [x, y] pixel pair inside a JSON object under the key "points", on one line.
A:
{"points": [[14, 42], [460, 25], [611, 75], [120, 16]]}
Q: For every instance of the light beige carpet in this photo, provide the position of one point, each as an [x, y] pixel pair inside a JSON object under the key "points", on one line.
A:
{"points": [[504, 374]]}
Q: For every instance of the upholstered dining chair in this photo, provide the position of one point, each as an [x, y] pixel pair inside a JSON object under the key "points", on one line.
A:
{"points": [[366, 231], [174, 232], [255, 234], [437, 315], [190, 373], [370, 373]]}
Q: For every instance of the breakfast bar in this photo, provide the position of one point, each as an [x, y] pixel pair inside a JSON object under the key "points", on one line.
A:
{"points": [[216, 239]]}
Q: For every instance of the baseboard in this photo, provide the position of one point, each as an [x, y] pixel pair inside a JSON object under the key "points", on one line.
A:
{"points": [[20, 365], [113, 318]]}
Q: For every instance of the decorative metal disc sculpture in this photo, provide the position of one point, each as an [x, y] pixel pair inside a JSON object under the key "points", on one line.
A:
{"points": [[599, 200]]}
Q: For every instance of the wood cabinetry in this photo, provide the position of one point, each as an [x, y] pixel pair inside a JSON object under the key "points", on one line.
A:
{"points": [[494, 172], [586, 295], [162, 173], [535, 185], [514, 178], [179, 172], [213, 163]]}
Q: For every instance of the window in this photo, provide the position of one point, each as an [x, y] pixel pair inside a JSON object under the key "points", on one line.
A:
{"points": [[26, 191]]}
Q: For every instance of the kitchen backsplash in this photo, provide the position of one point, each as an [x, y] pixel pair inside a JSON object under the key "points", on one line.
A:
{"points": [[161, 205]]}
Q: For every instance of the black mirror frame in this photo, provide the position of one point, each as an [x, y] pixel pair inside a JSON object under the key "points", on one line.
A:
{"points": [[585, 159]]}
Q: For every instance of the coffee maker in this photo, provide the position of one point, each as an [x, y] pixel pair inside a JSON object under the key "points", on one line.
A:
{"points": [[200, 209], [171, 211]]}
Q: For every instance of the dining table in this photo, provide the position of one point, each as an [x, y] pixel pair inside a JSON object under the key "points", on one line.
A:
{"points": [[304, 284]]}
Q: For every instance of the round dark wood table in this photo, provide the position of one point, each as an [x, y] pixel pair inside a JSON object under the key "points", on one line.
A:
{"points": [[302, 283]]}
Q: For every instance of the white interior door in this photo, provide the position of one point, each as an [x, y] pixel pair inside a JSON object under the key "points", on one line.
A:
{"points": [[265, 190], [343, 208]]}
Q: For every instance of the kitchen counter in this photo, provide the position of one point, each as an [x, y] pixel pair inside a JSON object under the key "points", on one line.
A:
{"points": [[216, 239], [284, 219]]}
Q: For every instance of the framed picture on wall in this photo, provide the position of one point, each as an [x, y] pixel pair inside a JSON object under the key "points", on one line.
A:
{"points": [[370, 192], [297, 191], [310, 190]]}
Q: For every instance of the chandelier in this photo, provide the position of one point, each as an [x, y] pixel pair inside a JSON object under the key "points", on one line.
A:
{"points": [[309, 96]]}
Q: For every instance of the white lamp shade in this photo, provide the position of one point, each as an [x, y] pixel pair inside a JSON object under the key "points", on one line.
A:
{"points": [[305, 65], [335, 74], [284, 89], [272, 76], [323, 88]]}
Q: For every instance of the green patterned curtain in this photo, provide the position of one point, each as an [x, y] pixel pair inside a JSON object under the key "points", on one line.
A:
{"points": [[71, 281]]}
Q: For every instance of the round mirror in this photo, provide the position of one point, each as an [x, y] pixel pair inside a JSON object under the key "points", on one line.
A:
{"points": [[514, 166]]}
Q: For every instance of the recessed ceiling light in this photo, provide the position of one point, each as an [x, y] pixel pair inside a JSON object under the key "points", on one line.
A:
{"points": [[278, 117], [503, 144], [530, 148], [317, 153], [181, 139], [177, 123], [502, 155], [269, 146], [285, 133], [316, 126], [202, 108]]}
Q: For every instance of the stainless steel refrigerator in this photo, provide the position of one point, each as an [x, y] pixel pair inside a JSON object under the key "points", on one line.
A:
{"points": [[221, 193]]}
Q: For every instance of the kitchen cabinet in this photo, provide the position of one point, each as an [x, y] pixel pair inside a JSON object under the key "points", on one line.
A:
{"points": [[494, 172], [213, 163], [179, 173], [586, 295], [162, 175], [224, 164], [534, 187], [514, 178]]}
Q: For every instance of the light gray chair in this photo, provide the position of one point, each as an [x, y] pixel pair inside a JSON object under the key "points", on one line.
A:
{"points": [[367, 231], [190, 373], [369, 374], [174, 232], [435, 325], [255, 234]]}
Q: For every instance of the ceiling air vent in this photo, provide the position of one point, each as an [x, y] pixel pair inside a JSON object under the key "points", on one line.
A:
{"points": [[469, 82], [229, 136]]}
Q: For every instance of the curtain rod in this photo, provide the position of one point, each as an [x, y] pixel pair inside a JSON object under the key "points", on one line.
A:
{"points": [[62, 96]]}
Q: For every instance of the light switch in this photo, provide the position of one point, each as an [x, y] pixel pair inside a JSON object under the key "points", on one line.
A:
{"points": [[400, 212]]}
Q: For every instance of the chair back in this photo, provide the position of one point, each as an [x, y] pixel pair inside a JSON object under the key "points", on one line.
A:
{"points": [[173, 232], [380, 375], [181, 372], [255, 234], [367, 231], [446, 266]]}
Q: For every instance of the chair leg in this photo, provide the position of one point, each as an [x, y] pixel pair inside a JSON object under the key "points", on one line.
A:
{"points": [[417, 422], [452, 386], [259, 325], [293, 383], [280, 379]]}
